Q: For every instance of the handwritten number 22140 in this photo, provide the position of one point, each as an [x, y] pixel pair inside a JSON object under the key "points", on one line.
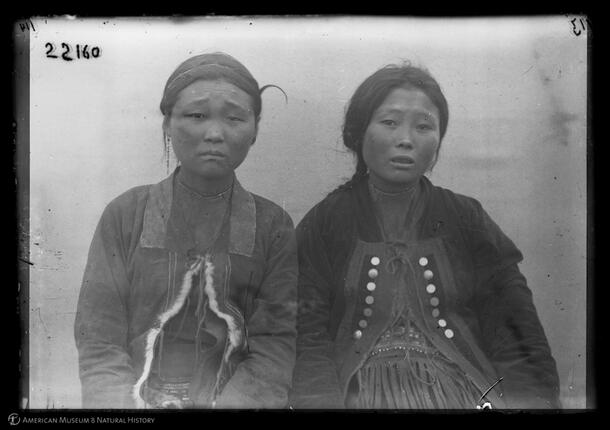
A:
{"points": [[82, 51]]}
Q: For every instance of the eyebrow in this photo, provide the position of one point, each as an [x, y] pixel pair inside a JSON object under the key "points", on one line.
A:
{"points": [[426, 113], [205, 99]]}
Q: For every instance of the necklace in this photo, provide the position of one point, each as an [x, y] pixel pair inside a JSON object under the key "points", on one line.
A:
{"points": [[390, 193], [206, 196], [187, 206]]}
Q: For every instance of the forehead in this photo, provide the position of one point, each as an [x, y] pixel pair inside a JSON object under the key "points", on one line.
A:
{"points": [[214, 90], [409, 100]]}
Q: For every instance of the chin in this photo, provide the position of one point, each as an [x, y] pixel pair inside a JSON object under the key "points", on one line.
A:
{"points": [[403, 180], [211, 171], [215, 175]]}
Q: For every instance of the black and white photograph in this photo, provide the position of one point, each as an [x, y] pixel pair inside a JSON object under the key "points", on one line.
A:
{"points": [[305, 213]]}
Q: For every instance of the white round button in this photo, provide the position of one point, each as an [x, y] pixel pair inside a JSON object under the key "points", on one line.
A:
{"points": [[369, 300], [434, 301], [431, 288], [373, 273], [442, 323], [357, 334], [362, 323], [368, 312], [371, 286], [423, 261], [449, 333], [375, 261], [428, 274], [435, 312]]}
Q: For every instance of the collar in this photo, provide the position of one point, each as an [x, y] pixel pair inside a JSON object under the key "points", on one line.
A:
{"points": [[367, 225], [158, 207]]}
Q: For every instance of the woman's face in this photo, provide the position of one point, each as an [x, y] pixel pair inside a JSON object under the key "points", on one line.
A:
{"points": [[401, 140], [211, 126]]}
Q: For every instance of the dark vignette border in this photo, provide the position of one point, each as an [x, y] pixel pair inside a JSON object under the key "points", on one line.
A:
{"points": [[17, 180], [20, 184]]}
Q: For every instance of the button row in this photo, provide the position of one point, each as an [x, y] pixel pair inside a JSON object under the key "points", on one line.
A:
{"points": [[434, 301], [373, 273], [369, 300]]}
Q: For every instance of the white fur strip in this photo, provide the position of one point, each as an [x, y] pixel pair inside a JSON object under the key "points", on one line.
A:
{"points": [[151, 337], [234, 333]]}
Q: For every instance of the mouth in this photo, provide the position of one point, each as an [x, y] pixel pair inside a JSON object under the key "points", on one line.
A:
{"points": [[211, 154], [402, 161]]}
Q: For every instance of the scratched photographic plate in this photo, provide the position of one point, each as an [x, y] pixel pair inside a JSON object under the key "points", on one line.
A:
{"points": [[516, 141]]}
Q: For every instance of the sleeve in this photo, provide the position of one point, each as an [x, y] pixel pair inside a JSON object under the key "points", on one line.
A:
{"points": [[315, 381], [101, 326], [511, 330], [263, 378]]}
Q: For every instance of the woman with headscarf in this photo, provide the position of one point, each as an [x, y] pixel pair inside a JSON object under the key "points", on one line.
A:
{"points": [[189, 293], [409, 295]]}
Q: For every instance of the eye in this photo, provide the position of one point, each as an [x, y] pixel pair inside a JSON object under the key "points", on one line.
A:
{"points": [[236, 119], [197, 115], [424, 127], [388, 122]]}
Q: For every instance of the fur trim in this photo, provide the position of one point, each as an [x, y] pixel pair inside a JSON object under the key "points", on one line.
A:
{"points": [[153, 333], [234, 333]]}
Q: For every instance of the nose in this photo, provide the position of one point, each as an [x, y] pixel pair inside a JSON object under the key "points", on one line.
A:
{"points": [[403, 138], [213, 133]]}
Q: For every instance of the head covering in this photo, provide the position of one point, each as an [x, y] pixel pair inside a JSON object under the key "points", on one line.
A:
{"points": [[211, 66]]}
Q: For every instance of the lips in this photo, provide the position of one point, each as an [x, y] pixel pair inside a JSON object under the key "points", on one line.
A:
{"points": [[402, 160], [211, 154]]}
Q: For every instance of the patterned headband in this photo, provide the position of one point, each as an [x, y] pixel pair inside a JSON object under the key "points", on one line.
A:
{"points": [[209, 70]]}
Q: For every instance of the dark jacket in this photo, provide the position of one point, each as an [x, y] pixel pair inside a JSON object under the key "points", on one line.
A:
{"points": [[136, 277], [482, 297]]}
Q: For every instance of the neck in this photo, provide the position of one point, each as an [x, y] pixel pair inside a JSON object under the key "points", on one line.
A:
{"points": [[390, 188], [206, 186]]}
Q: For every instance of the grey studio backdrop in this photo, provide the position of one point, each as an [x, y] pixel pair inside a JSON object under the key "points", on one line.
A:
{"points": [[516, 141]]}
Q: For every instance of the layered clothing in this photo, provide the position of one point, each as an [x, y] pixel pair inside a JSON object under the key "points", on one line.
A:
{"points": [[452, 290], [144, 275]]}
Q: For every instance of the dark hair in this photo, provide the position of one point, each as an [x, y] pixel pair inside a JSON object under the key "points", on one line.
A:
{"points": [[370, 95], [217, 65], [211, 66]]}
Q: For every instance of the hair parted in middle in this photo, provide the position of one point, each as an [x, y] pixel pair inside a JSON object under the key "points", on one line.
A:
{"points": [[370, 95]]}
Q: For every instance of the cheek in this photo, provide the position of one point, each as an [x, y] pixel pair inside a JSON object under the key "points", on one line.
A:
{"points": [[374, 145], [239, 151], [182, 135], [428, 146], [240, 141], [185, 133]]}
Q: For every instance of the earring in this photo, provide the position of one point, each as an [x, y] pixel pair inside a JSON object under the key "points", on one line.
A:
{"points": [[168, 152]]}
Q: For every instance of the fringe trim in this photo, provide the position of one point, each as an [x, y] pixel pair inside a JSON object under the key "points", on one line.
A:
{"points": [[415, 382], [153, 333]]}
